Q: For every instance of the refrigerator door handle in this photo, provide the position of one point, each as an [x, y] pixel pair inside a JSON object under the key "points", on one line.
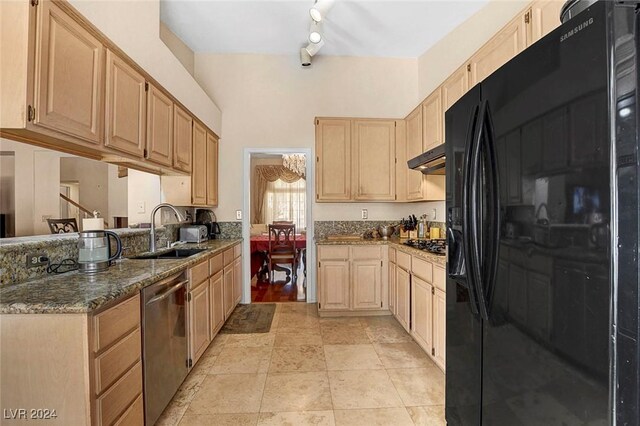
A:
{"points": [[467, 234], [491, 243]]}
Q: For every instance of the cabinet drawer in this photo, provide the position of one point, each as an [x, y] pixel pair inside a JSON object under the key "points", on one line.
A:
{"points": [[439, 278], [198, 274], [112, 324], [422, 269], [116, 360], [333, 253], [114, 402], [134, 416], [403, 260], [216, 263], [228, 256], [237, 251], [392, 255], [366, 252]]}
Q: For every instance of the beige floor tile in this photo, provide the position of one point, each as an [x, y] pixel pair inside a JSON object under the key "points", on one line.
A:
{"points": [[250, 340], [351, 357], [173, 413], [343, 335], [234, 360], [373, 417], [297, 358], [204, 364], [302, 337], [190, 386], [341, 321], [296, 392], [386, 332], [419, 386], [362, 389], [216, 346], [320, 418], [299, 307], [297, 321], [402, 355], [427, 416], [219, 419], [229, 393]]}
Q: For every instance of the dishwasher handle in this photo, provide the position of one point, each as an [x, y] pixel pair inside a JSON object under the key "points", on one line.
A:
{"points": [[167, 293]]}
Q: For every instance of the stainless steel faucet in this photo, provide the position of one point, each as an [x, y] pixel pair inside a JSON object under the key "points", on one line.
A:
{"points": [[152, 235]]}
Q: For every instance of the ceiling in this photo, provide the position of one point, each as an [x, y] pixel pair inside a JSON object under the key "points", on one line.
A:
{"points": [[391, 28]]}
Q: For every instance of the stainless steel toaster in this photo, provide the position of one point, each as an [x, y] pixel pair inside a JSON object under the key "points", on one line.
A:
{"points": [[194, 233]]}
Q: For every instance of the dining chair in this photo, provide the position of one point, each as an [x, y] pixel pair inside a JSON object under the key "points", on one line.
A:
{"points": [[63, 226], [282, 249], [283, 222]]}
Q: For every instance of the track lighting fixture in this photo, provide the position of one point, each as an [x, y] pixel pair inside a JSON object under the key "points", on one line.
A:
{"points": [[319, 10], [313, 48], [315, 32], [305, 57]]}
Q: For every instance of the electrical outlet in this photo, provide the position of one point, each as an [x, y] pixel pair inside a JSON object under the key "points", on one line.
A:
{"points": [[238, 214], [36, 259], [142, 208], [365, 214]]}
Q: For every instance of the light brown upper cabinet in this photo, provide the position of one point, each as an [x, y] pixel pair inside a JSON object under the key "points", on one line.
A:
{"points": [[432, 121], [333, 168], [182, 139], [544, 18], [159, 127], [199, 174], [454, 88], [401, 160], [212, 170], [69, 76], [374, 157], [510, 41], [414, 148], [126, 105]]}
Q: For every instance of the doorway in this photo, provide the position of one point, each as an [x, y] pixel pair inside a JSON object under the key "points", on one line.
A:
{"points": [[279, 187]]}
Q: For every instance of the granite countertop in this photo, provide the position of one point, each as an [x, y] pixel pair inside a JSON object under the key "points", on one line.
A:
{"points": [[75, 292], [392, 242]]}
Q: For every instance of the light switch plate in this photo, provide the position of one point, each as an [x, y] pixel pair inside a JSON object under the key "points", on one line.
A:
{"points": [[142, 208], [238, 214], [365, 214]]}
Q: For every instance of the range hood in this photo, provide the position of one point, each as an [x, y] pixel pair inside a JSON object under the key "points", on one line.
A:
{"points": [[431, 162]]}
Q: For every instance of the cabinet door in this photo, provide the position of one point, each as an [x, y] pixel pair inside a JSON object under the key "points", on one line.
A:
{"points": [[439, 327], [126, 105], [182, 139], [414, 148], [401, 160], [237, 280], [392, 287], [374, 152], [333, 168], [334, 285], [432, 121], [366, 280], [510, 41], [228, 290], [545, 17], [422, 313], [212, 170], [199, 172], [216, 291], [69, 76], [453, 89], [199, 321], [403, 281], [159, 127]]}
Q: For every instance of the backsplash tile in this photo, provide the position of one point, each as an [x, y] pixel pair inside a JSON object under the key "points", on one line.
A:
{"points": [[230, 230], [357, 227]]}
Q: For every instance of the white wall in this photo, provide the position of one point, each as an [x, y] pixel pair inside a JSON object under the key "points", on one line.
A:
{"points": [[142, 188], [134, 26], [93, 179], [118, 189], [438, 62], [271, 101]]}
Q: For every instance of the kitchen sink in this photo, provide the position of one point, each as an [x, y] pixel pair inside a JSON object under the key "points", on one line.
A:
{"points": [[171, 254]]}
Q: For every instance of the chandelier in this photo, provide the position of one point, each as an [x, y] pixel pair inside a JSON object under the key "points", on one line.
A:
{"points": [[297, 163]]}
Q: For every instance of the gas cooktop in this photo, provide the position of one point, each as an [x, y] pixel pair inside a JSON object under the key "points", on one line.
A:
{"points": [[437, 246]]}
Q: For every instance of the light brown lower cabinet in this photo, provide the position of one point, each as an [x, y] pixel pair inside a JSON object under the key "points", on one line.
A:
{"points": [[422, 313], [237, 280], [439, 327], [392, 281], [199, 320], [216, 290], [403, 303]]}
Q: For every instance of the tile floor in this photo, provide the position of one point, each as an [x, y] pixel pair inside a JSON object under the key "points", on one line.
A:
{"points": [[312, 371]]}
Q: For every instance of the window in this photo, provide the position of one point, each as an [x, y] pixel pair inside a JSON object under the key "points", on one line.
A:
{"points": [[286, 201]]}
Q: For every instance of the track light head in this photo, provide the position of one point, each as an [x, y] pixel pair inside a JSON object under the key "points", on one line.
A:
{"points": [[305, 57], [319, 10], [313, 48], [315, 32]]}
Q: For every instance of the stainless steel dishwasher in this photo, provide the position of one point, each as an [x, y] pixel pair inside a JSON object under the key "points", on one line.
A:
{"points": [[165, 347]]}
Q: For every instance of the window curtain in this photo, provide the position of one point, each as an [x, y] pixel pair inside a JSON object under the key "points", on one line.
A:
{"points": [[262, 177], [286, 201]]}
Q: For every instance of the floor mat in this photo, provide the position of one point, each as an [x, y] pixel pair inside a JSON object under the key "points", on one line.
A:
{"points": [[253, 318]]}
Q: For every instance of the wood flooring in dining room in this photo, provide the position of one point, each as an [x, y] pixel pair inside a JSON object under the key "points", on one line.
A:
{"points": [[280, 290]]}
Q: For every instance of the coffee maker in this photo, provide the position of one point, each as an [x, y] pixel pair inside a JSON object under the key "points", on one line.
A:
{"points": [[208, 218]]}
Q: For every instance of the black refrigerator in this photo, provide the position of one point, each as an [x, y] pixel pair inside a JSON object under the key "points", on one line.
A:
{"points": [[542, 230]]}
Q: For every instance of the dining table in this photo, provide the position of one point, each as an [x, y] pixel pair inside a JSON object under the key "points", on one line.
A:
{"points": [[259, 249]]}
